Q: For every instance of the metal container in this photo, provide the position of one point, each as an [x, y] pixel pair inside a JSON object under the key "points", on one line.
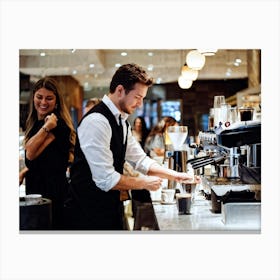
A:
{"points": [[36, 216], [227, 171], [238, 214]]}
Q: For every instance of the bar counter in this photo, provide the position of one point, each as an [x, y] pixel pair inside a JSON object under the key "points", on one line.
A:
{"points": [[201, 219]]}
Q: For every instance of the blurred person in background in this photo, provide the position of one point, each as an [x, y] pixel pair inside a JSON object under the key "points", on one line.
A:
{"points": [[91, 103], [49, 146], [158, 138], [140, 130]]}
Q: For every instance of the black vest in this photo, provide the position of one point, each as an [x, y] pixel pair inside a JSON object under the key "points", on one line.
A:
{"points": [[96, 209]]}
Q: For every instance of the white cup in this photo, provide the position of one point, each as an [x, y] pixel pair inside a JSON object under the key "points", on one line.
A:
{"points": [[167, 195], [156, 195]]}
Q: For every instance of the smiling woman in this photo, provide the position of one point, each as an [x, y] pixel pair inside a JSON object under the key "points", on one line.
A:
{"points": [[49, 144], [44, 102]]}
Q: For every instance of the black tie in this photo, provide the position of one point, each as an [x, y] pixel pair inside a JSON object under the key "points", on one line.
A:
{"points": [[121, 127]]}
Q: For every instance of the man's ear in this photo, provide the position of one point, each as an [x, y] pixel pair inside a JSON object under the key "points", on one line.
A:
{"points": [[119, 90]]}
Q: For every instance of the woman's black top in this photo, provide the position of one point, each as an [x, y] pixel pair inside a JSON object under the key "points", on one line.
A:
{"points": [[47, 173]]}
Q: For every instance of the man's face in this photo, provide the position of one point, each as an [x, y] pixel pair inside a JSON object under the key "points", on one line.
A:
{"points": [[134, 99]]}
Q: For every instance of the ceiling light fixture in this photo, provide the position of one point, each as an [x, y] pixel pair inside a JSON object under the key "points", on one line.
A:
{"points": [[183, 83], [150, 67], [124, 54], [228, 72], [208, 52], [188, 73], [237, 61], [195, 60], [159, 80]]}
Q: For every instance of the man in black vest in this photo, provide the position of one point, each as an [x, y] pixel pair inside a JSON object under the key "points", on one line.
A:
{"points": [[104, 142]]}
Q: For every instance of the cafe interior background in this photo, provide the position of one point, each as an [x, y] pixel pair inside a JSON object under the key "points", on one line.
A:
{"points": [[180, 91], [199, 257], [186, 82]]}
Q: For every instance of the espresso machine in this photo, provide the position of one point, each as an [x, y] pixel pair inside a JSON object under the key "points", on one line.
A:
{"points": [[243, 142], [234, 151]]}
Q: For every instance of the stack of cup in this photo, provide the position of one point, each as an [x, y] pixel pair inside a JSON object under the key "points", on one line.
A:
{"points": [[218, 101], [223, 115], [232, 115]]}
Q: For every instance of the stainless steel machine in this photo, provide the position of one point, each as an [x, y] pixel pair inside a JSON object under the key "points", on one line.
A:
{"points": [[243, 143], [175, 153], [234, 151]]}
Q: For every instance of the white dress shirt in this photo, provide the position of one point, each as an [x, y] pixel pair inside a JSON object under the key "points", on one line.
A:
{"points": [[95, 135]]}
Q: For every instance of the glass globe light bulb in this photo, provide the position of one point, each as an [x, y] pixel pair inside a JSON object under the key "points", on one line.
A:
{"points": [[188, 73], [183, 83], [195, 60]]}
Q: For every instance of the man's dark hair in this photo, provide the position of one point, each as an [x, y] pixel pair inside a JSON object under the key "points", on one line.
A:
{"points": [[128, 75]]}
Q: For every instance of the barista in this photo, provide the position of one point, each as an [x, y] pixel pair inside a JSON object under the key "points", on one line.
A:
{"points": [[104, 142]]}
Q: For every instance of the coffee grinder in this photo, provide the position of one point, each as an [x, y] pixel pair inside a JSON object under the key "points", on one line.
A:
{"points": [[176, 153]]}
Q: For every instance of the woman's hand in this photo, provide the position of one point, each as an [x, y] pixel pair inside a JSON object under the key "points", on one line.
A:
{"points": [[51, 121], [38, 142], [22, 174]]}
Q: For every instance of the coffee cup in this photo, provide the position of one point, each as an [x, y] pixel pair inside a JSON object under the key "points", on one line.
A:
{"points": [[167, 195], [184, 201], [156, 195], [246, 114]]}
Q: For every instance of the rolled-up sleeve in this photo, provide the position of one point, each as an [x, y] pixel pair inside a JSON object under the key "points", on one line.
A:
{"points": [[95, 145], [136, 156]]}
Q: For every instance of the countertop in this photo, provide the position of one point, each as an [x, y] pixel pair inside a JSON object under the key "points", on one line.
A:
{"points": [[201, 219]]}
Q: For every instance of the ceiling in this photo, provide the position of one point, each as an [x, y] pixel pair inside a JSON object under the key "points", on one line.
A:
{"points": [[94, 68]]}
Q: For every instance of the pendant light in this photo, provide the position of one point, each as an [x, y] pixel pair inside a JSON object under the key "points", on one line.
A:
{"points": [[195, 60], [183, 83], [208, 52], [188, 73]]}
